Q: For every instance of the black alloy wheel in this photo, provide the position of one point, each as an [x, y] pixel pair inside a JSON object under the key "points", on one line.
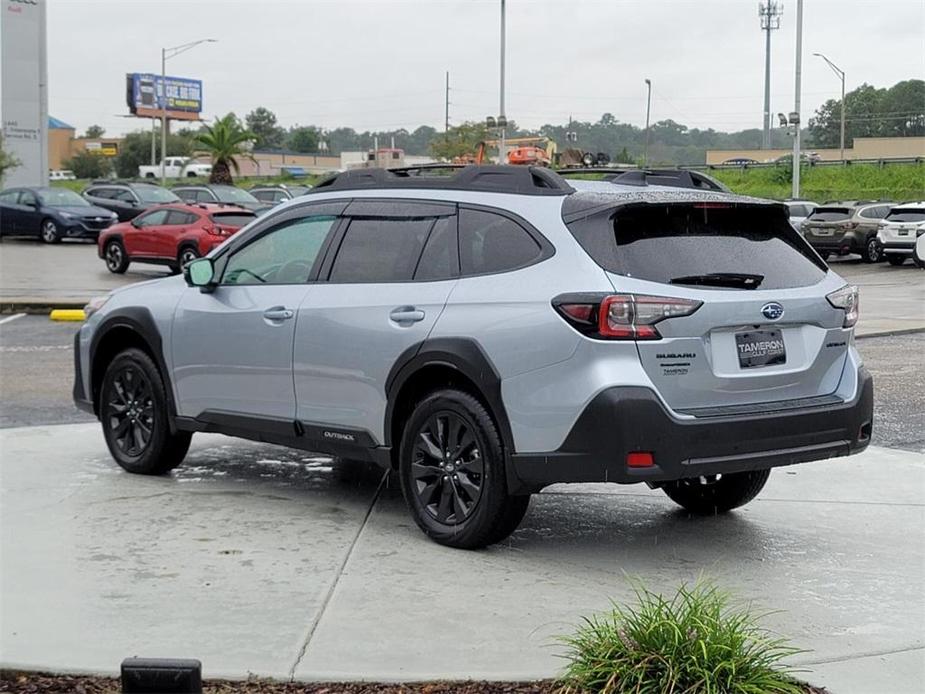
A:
{"points": [[130, 408], [447, 467]]}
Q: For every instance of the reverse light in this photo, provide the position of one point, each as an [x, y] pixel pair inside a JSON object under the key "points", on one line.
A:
{"points": [[621, 316], [847, 298]]}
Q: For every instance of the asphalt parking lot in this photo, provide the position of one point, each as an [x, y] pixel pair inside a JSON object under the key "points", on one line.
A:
{"points": [[267, 561]]}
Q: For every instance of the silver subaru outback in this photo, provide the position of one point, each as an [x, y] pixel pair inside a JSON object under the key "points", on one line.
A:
{"points": [[491, 332]]}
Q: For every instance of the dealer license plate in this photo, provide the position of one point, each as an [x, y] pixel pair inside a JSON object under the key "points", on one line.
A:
{"points": [[760, 348]]}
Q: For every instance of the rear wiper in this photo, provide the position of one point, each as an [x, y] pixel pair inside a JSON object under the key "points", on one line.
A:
{"points": [[721, 279]]}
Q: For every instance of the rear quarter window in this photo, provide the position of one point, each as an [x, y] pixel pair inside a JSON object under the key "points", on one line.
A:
{"points": [[668, 243], [490, 242]]}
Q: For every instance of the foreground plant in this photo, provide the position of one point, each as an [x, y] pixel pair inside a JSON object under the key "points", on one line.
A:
{"points": [[697, 642]]}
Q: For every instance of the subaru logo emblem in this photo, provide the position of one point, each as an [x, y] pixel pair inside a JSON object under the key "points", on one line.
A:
{"points": [[772, 311]]}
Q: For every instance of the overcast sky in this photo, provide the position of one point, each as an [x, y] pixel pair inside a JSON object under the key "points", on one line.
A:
{"points": [[380, 64]]}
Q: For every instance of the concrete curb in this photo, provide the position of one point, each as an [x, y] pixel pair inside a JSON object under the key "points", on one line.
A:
{"points": [[39, 307], [890, 333]]}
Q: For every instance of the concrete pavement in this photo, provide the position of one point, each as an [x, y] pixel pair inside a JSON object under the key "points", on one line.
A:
{"points": [[262, 560]]}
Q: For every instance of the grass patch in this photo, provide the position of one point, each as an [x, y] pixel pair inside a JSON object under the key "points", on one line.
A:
{"points": [[696, 642], [900, 182]]}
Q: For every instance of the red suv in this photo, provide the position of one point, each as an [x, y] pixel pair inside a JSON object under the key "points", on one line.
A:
{"points": [[170, 235]]}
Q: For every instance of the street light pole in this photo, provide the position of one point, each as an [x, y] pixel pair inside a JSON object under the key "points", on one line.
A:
{"points": [[841, 75], [501, 112], [176, 50], [795, 116], [645, 156]]}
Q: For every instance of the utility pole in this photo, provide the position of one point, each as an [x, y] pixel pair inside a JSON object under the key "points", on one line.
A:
{"points": [[502, 120], [153, 138], [645, 155], [446, 120], [795, 116], [770, 13], [841, 75]]}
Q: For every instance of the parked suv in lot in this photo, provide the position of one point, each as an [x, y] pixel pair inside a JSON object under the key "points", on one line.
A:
{"points": [[171, 235], [127, 200], [844, 228], [274, 194], [899, 231], [230, 195], [490, 333]]}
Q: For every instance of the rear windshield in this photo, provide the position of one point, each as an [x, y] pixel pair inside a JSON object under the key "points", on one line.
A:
{"points": [[232, 219], [723, 247], [830, 214], [906, 215]]}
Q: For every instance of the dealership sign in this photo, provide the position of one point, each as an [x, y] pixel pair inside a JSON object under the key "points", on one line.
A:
{"points": [[25, 93], [145, 94]]}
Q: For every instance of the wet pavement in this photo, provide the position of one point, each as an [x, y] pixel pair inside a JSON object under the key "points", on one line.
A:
{"points": [[257, 559]]}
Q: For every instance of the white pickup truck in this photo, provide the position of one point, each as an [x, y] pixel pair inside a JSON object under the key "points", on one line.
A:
{"points": [[176, 167]]}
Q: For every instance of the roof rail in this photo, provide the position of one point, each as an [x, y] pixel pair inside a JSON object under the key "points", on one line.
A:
{"points": [[632, 176], [520, 180]]}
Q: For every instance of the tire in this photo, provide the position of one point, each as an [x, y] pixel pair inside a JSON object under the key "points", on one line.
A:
{"points": [[186, 255], [134, 415], [707, 497], [895, 259], [49, 232], [149, 175], [459, 501], [116, 258], [872, 251]]}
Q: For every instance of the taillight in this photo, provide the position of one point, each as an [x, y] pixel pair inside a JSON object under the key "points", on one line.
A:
{"points": [[621, 316], [848, 299]]}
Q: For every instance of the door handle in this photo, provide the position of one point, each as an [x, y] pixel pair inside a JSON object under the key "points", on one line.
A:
{"points": [[278, 313], [406, 314]]}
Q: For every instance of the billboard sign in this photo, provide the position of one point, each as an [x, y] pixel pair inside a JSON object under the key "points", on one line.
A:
{"points": [[25, 94], [144, 94]]}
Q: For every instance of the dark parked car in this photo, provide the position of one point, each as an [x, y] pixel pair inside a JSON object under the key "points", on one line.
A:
{"points": [[272, 195], [127, 200], [849, 227], [51, 214], [230, 195]]}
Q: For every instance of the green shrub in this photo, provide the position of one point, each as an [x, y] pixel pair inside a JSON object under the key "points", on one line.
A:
{"points": [[697, 642]]}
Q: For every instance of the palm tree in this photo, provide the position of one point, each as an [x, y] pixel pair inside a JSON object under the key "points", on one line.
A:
{"points": [[225, 140]]}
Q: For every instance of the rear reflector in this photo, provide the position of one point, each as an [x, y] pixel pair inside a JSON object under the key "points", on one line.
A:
{"points": [[639, 459]]}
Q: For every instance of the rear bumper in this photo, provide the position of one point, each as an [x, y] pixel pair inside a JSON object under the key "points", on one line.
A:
{"points": [[850, 242], [904, 247], [621, 420]]}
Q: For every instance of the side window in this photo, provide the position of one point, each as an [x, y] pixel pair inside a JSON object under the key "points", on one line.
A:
{"points": [[101, 193], [27, 198], [883, 211], [122, 195], [261, 195], [489, 242], [438, 261], [180, 218], [380, 250], [279, 196], [284, 255], [151, 219]]}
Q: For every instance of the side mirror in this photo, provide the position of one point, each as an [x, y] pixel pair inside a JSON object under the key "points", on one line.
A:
{"points": [[200, 273]]}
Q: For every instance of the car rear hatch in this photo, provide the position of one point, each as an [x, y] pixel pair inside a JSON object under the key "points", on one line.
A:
{"points": [[758, 329], [901, 226], [827, 224]]}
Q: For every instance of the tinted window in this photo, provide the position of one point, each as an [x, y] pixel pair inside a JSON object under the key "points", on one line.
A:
{"points": [[438, 261], [263, 195], [674, 243], [123, 196], [284, 255], [907, 215], [9, 196], [151, 218], [380, 250], [830, 214], [102, 193], [233, 219], [180, 218], [489, 242], [27, 198]]}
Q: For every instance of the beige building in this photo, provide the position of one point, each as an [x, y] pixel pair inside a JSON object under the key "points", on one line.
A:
{"points": [[62, 144], [864, 148]]}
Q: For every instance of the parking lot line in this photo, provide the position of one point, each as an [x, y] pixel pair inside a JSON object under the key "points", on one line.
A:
{"points": [[10, 319]]}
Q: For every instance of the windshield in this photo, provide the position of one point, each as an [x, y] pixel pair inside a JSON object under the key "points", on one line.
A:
{"points": [[907, 215], [155, 194], [229, 194], [830, 214], [61, 197]]}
